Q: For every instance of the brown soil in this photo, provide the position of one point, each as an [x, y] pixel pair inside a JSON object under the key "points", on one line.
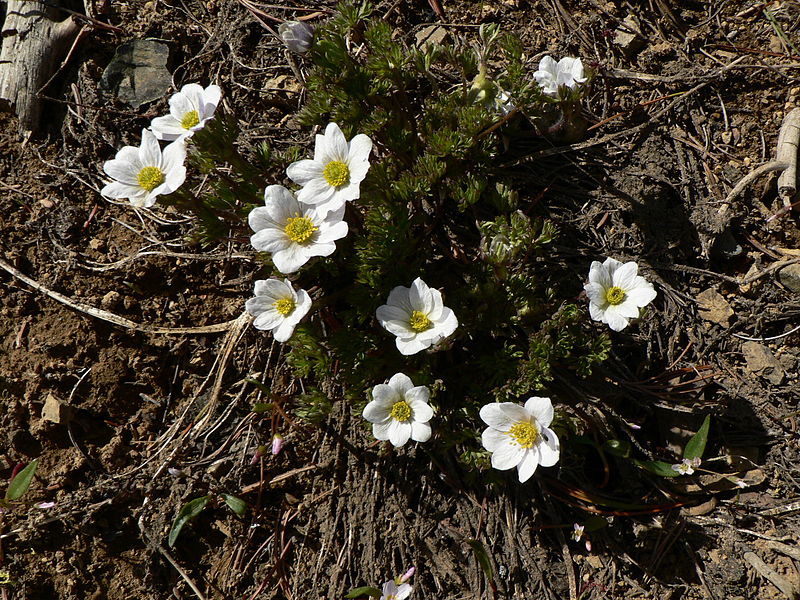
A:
{"points": [[157, 420]]}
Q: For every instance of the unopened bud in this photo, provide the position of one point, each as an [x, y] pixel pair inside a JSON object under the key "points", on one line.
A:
{"points": [[277, 443], [297, 36], [408, 574]]}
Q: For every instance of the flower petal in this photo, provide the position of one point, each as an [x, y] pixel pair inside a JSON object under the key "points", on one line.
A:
{"points": [[492, 439], [290, 258], [528, 464], [643, 293], [401, 383], [399, 433], [549, 448], [381, 430], [303, 171], [150, 151], [117, 189], [376, 412], [420, 432], [625, 275], [507, 456], [541, 409], [410, 346]]}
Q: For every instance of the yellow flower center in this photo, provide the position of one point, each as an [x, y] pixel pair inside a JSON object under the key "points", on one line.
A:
{"points": [[615, 295], [299, 229], [401, 411], [525, 434], [336, 173], [150, 178], [419, 321], [284, 306], [190, 119]]}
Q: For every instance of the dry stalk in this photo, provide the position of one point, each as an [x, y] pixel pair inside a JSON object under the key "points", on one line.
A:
{"points": [[788, 140]]}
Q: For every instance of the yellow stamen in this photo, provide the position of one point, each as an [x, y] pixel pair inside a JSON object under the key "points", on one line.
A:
{"points": [[150, 178], [615, 295], [190, 119], [419, 321], [401, 411], [284, 306], [299, 229], [525, 434], [336, 173]]}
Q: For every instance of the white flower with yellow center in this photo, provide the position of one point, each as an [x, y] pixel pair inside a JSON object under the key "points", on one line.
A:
{"points": [[335, 174], [189, 110], [294, 231], [616, 292], [392, 591], [417, 316], [277, 307], [552, 75], [519, 436], [399, 411], [141, 174]]}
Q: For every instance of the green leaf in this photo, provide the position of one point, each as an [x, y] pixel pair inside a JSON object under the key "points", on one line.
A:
{"points": [[189, 511], [364, 591], [594, 523], [22, 481], [658, 467], [260, 407], [483, 558], [237, 505], [697, 445]]}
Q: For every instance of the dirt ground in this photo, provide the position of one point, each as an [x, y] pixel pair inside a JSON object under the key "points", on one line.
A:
{"points": [[129, 425]]}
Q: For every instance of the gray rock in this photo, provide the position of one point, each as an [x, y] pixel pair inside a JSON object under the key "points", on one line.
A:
{"points": [[138, 72], [789, 276], [761, 361]]}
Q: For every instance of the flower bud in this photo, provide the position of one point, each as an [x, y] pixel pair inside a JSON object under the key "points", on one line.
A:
{"points": [[297, 36], [277, 443]]}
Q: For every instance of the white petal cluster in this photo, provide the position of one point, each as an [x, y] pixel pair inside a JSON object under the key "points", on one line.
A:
{"points": [[399, 411], [335, 174], [552, 75], [189, 109], [392, 591], [294, 231], [519, 436], [144, 173], [277, 307], [417, 316], [616, 292]]}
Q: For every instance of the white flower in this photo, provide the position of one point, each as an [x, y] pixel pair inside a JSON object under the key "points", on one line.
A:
{"points": [[686, 466], [297, 36], [294, 231], [417, 317], [336, 173], [277, 307], [399, 411], [392, 591], [189, 110], [552, 75], [616, 292], [577, 531], [519, 436], [141, 174]]}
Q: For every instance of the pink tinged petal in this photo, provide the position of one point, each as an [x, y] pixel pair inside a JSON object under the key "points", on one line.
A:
{"points": [[399, 433], [541, 409], [507, 456], [625, 275], [492, 439], [401, 383], [420, 432], [376, 412], [643, 294], [527, 466], [494, 416], [549, 448], [117, 189], [615, 321], [123, 171], [410, 346], [316, 191], [150, 151], [166, 128], [390, 589], [303, 171], [381, 430], [290, 259]]}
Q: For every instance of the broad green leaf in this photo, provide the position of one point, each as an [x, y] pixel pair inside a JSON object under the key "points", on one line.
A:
{"points": [[188, 512], [364, 591], [594, 523], [697, 445], [659, 467], [483, 558], [22, 481], [237, 505]]}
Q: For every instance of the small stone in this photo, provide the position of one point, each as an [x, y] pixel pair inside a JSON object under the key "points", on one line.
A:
{"points": [[56, 411], [713, 307], [761, 361], [110, 300], [627, 37], [789, 277], [138, 72], [432, 34], [97, 244]]}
